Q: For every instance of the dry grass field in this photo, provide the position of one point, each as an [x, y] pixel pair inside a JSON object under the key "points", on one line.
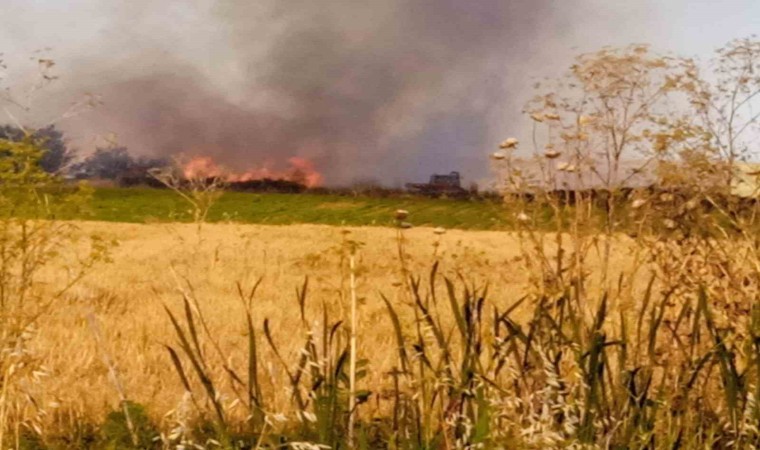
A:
{"points": [[153, 264], [530, 345]]}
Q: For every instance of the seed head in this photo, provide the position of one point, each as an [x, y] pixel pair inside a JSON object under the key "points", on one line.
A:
{"points": [[552, 154], [439, 231], [566, 167], [405, 225], [552, 116], [509, 143], [538, 117], [401, 214], [498, 156], [638, 203], [522, 217]]}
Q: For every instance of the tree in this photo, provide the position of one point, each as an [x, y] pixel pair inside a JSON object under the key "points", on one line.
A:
{"points": [[56, 155], [115, 163], [106, 163]]}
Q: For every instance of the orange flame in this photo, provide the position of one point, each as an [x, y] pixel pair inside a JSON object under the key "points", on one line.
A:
{"points": [[301, 171], [201, 167]]}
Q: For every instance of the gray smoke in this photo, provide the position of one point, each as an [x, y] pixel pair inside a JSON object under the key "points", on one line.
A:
{"points": [[393, 90]]}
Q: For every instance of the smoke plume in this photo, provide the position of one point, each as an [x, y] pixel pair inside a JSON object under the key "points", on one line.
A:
{"points": [[391, 90]]}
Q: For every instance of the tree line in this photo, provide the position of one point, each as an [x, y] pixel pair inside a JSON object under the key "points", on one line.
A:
{"points": [[109, 163]]}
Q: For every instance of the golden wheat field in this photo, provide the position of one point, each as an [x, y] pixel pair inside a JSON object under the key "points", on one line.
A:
{"points": [[153, 264]]}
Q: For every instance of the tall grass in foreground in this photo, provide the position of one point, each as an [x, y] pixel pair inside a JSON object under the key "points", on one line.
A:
{"points": [[664, 374], [580, 360], [30, 241]]}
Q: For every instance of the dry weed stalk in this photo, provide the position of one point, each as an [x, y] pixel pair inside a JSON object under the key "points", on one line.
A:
{"points": [[199, 191], [354, 325]]}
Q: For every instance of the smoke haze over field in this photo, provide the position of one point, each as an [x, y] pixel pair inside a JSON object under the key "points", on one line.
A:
{"points": [[391, 90]]}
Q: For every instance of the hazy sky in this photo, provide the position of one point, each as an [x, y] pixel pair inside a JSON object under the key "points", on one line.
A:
{"points": [[389, 89]]}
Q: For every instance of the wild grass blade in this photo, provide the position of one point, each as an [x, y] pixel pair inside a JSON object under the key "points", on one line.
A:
{"points": [[400, 342]]}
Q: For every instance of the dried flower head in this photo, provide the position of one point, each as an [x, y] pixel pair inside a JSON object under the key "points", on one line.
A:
{"points": [[638, 203], [405, 225], [566, 167], [551, 116], [522, 217], [552, 154], [498, 156], [538, 117], [439, 231], [401, 214], [509, 143]]}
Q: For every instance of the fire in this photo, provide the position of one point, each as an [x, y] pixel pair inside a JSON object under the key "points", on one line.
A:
{"points": [[201, 167], [300, 170]]}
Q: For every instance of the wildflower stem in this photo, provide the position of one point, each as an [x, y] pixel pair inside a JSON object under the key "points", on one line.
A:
{"points": [[352, 372]]}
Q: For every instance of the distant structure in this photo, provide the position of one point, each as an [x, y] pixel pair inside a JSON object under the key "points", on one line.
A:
{"points": [[440, 185]]}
